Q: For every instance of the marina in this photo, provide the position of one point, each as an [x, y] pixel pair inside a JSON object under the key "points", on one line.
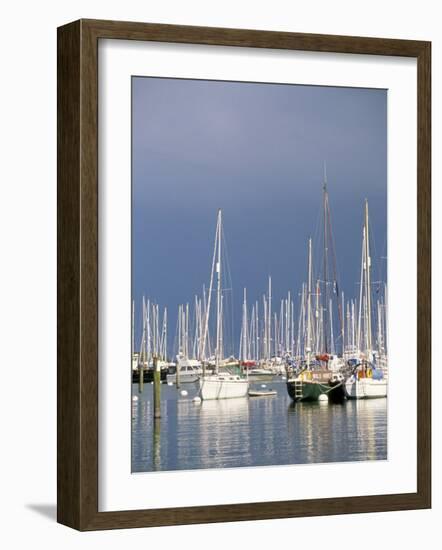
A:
{"points": [[259, 278], [309, 358], [297, 393]]}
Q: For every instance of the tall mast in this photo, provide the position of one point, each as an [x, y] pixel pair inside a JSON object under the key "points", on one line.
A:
{"points": [[164, 352], [379, 316], [367, 278], [244, 330], [203, 323], [309, 300], [269, 320], [151, 329], [287, 322], [218, 293], [281, 328], [251, 343], [329, 251], [318, 342], [265, 346], [361, 290], [325, 257], [148, 333], [182, 331], [179, 331], [274, 332], [343, 322], [221, 336], [157, 329], [143, 339], [197, 333], [353, 340], [301, 319], [187, 331], [202, 352], [292, 327], [332, 345]]}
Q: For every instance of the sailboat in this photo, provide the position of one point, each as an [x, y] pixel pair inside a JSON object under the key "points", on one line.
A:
{"points": [[223, 383], [313, 380], [367, 380]]}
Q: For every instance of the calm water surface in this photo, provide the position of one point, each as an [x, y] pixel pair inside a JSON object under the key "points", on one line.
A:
{"points": [[258, 431]]}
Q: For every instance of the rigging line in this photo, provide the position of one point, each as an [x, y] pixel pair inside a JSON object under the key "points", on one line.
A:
{"points": [[225, 254], [335, 271], [378, 269], [379, 285], [317, 239], [378, 258], [384, 256], [325, 261], [372, 245]]}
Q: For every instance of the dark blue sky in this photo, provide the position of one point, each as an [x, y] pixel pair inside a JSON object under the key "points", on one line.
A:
{"points": [[256, 151]]}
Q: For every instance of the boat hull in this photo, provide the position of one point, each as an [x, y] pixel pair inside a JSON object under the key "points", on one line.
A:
{"points": [[365, 388], [260, 393], [147, 375], [307, 390], [260, 372], [228, 387], [186, 378]]}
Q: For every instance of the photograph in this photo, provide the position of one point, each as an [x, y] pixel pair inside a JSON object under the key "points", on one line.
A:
{"points": [[259, 274], [218, 233]]}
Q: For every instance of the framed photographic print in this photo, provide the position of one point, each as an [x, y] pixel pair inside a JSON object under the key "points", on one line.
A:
{"points": [[243, 275]]}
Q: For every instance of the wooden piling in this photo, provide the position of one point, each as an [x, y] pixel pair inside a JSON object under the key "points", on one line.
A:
{"points": [[177, 375], [156, 388]]}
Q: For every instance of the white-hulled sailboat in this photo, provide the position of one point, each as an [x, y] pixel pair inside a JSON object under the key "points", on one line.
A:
{"points": [[222, 384], [368, 380]]}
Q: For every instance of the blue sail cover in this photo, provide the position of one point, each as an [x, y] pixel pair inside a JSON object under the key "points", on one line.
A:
{"points": [[377, 374]]}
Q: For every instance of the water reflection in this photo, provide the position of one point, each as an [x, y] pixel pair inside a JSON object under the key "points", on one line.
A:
{"points": [[253, 432]]}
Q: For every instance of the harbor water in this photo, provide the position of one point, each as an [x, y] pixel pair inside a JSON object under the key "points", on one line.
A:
{"points": [[255, 431]]}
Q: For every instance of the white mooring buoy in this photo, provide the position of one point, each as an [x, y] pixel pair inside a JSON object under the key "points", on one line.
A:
{"points": [[323, 398], [183, 393], [263, 385], [196, 399], [170, 383], [135, 398]]}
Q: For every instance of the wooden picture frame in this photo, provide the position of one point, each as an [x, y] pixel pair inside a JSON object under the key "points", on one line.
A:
{"points": [[77, 225]]}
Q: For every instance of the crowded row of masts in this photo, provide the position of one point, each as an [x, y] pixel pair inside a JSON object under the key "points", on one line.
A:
{"points": [[266, 334], [272, 334], [316, 323], [191, 328], [153, 334], [326, 323]]}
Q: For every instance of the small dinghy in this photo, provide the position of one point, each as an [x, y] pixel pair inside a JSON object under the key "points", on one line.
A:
{"points": [[261, 393]]}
